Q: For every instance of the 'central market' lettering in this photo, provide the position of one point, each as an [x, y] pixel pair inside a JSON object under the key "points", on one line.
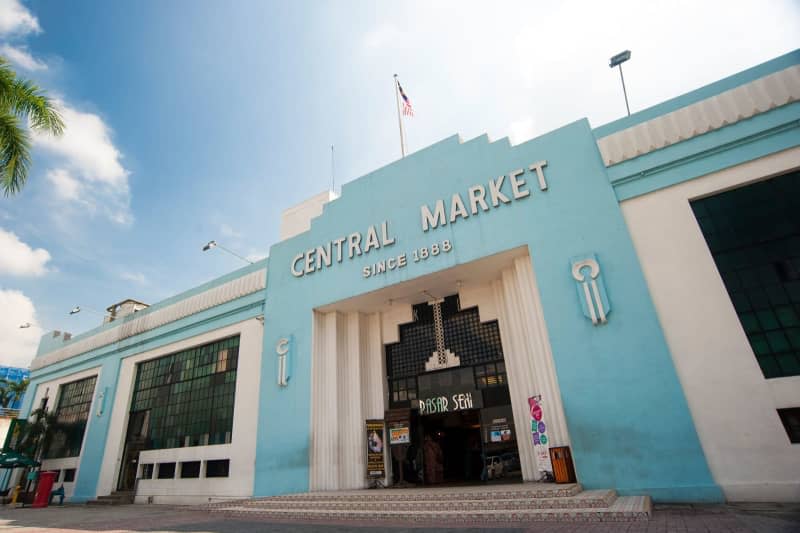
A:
{"points": [[353, 245], [477, 197]]}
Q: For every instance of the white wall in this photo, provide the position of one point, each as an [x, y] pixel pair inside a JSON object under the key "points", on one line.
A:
{"points": [[733, 406], [297, 219], [241, 451], [50, 389]]}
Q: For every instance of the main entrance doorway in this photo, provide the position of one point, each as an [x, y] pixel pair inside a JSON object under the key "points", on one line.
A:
{"points": [[458, 437], [447, 383]]}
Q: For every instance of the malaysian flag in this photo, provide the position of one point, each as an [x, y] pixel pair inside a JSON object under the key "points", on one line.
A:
{"points": [[407, 109]]}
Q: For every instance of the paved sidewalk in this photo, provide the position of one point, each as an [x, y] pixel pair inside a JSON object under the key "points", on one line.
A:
{"points": [[741, 518]]}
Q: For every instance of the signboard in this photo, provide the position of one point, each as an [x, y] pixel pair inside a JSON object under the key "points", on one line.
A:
{"points": [[500, 432], [375, 439], [539, 434], [511, 187], [15, 431], [450, 403], [399, 434]]}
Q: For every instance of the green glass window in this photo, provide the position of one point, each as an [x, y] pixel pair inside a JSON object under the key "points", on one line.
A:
{"points": [[490, 375], [72, 412], [753, 234], [186, 398]]}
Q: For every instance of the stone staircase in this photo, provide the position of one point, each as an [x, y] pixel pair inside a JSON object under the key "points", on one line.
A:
{"points": [[525, 502], [115, 498]]}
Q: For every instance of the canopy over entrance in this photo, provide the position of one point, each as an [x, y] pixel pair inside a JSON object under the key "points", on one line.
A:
{"points": [[12, 459]]}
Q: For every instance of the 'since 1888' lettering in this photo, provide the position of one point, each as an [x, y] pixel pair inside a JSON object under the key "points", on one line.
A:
{"points": [[400, 261]]}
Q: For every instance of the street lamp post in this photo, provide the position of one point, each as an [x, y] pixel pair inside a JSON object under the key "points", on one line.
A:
{"points": [[77, 309], [617, 61], [215, 244]]}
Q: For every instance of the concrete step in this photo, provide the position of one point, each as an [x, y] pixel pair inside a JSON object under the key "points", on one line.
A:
{"points": [[625, 509], [115, 498], [520, 501], [103, 502], [510, 491]]}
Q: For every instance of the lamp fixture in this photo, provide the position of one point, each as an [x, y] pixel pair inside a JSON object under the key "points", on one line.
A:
{"points": [[77, 309], [213, 244], [617, 61]]}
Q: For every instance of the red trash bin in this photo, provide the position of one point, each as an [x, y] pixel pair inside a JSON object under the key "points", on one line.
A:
{"points": [[42, 496]]}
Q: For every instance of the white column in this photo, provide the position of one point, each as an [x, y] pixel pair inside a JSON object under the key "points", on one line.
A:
{"points": [[373, 382], [529, 360], [324, 445], [518, 371], [348, 386], [351, 419], [544, 366]]}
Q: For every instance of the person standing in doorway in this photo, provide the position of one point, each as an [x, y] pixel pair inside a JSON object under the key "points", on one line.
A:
{"points": [[433, 460]]}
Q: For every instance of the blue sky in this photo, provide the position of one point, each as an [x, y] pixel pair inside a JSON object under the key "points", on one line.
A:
{"points": [[196, 120]]}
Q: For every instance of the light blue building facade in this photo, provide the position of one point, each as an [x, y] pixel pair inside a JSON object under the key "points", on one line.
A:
{"points": [[586, 271]]}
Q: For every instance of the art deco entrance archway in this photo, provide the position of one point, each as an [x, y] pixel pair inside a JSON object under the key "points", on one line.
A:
{"points": [[350, 377]]}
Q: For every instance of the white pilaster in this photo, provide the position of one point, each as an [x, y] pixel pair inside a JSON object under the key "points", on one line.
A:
{"points": [[349, 386], [351, 419], [324, 455], [529, 359]]}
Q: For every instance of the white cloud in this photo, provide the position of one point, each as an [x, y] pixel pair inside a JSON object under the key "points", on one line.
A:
{"points": [[228, 232], [90, 165], [19, 259], [65, 186], [136, 277], [383, 36], [15, 19], [17, 346], [22, 58], [521, 130], [86, 144]]}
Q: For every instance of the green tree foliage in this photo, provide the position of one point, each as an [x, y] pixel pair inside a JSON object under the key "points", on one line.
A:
{"points": [[20, 100], [38, 433]]}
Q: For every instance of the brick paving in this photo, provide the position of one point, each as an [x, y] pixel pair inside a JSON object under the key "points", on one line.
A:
{"points": [[741, 518]]}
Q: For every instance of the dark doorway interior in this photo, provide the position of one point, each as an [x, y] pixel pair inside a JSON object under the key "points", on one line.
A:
{"points": [[135, 442], [458, 436]]}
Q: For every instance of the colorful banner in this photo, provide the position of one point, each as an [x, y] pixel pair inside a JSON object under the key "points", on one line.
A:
{"points": [[399, 434], [541, 442], [375, 438]]}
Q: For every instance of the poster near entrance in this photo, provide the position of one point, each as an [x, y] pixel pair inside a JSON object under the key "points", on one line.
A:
{"points": [[539, 434], [399, 434], [375, 439]]}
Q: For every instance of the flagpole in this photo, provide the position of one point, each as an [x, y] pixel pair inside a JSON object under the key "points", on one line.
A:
{"points": [[399, 118]]}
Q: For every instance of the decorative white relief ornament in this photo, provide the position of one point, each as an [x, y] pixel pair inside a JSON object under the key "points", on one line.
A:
{"points": [[282, 349], [442, 357], [591, 289]]}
